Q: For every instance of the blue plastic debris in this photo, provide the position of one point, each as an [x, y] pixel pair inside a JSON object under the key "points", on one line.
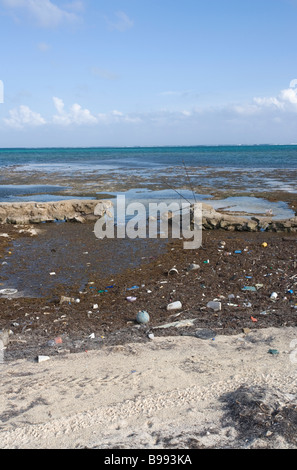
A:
{"points": [[249, 288], [274, 352]]}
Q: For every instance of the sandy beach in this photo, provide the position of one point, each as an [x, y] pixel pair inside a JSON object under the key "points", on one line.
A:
{"points": [[171, 393]]}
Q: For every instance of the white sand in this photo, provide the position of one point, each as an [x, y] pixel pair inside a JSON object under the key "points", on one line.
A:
{"points": [[134, 396]]}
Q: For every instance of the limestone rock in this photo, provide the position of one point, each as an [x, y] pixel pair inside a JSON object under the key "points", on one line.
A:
{"points": [[77, 210], [211, 219]]}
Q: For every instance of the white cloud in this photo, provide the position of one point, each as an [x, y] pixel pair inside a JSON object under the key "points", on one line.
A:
{"points": [[24, 116], [76, 115], [245, 110], [186, 113], [272, 101], [118, 117], [121, 23], [45, 12], [285, 101], [289, 97], [117, 113], [257, 115]]}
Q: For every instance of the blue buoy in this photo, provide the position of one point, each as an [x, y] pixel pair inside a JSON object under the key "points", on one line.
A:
{"points": [[143, 317]]}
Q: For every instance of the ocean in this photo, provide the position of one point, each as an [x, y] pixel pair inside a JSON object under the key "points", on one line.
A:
{"points": [[47, 174], [248, 157]]}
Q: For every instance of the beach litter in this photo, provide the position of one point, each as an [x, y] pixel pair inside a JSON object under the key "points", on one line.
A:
{"points": [[131, 299], [42, 358], [204, 333], [214, 305], [274, 352], [222, 245], [8, 291], [259, 286], [174, 306], [67, 300], [53, 342], [142, 317], [274, 296], [172, 271], [177, 324], [193, 267]]}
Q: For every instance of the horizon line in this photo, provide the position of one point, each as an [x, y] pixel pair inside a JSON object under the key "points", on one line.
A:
{"points": [[146, 146]]}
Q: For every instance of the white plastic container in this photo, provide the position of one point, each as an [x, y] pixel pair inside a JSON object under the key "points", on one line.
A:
{"points": [[174, 306], [216, 306]]}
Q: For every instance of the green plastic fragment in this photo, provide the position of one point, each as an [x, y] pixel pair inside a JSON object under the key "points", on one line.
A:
{"points": [[273, 351]]}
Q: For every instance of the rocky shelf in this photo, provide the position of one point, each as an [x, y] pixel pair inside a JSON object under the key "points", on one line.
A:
{"points": [[211, 219], [73, 210], [80, 211]]}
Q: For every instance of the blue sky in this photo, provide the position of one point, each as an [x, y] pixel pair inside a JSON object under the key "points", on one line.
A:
{"points": [[149, 72]]}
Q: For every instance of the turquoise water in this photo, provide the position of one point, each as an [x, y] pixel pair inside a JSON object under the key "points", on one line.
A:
{"points": [[249, 157], [241, 168]]}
